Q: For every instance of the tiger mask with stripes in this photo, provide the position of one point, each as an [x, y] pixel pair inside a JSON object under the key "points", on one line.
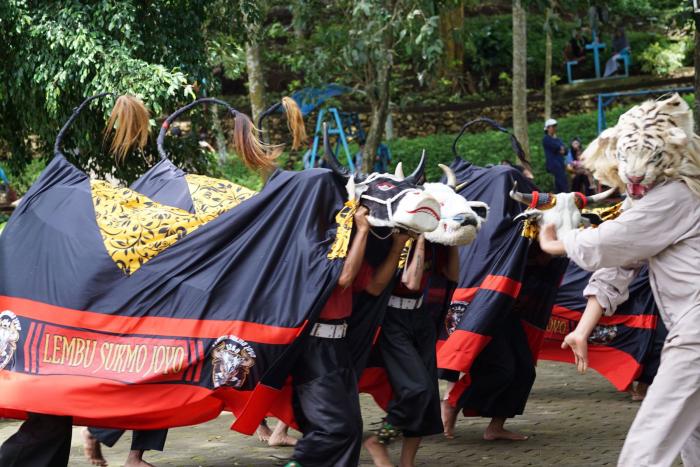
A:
{"points": [[652, 142]]}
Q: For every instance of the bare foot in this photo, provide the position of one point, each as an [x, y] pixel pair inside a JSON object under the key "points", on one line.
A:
{"points": [[282, 439], [92, 449], [135, 459], [449, 419], [264, 432], [378, 451], [493, 434]]}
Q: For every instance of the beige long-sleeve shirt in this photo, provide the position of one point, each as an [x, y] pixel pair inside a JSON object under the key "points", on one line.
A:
{"points": [[662, 228]]}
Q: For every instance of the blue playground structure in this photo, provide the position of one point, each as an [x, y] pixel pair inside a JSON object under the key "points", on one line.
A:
{"points": [[342, 127], [605, 99]]}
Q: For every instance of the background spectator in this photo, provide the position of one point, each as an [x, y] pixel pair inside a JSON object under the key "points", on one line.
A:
{"points": [[554, 152]]}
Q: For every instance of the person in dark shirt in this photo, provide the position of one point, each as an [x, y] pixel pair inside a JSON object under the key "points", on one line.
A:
{"points": [[407, 346], [325, 398], [554, 152]]}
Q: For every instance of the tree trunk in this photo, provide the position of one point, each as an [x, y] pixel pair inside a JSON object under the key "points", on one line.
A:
{"points": [[520, 76], [696, 57], [548, 65], [379, 102], [256, 80], [380, 111]]}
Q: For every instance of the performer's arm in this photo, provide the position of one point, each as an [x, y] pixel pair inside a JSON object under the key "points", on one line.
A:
{"points": [[413, 276], [578, 338], [607, 289], [451, 269], [641, 232], [383, 274], [356, 254]]}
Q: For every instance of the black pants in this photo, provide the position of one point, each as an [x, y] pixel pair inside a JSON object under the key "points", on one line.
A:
{"points": [[41, 441], [653, 358], [326, 405], [502, 375], [407, 345], [142, 440]]}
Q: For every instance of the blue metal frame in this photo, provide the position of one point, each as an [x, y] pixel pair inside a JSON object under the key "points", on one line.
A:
{"points": [[335, 127], [605, 99]]}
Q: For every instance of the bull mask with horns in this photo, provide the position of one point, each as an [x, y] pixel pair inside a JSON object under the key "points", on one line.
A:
{"points": [[563, 209], [395, 202], [460, 220]]}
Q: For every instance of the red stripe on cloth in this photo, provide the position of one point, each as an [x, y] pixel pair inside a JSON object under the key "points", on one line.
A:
{"points": [[464, 295], [618, 367], [535, 336], [200, 357], [459, 351], [374, 381], [255, 409], [631, 321], [27, 359], [189, 374], [148, 325], [109, 403], [458, 389], [33, 349], [502, 284]]}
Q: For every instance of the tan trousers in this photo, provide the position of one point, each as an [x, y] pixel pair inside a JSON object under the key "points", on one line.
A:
{"points": [[668, 422]]}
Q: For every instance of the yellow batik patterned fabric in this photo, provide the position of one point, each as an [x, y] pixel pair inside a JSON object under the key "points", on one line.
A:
{"points": [[211, 197], [344, 219], [135, 228]]}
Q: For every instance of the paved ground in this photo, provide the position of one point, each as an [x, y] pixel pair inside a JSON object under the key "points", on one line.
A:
{"points": [[572, 420]]}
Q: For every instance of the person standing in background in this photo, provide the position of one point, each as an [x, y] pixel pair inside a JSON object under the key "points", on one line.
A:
{"points": [[554, 152]]}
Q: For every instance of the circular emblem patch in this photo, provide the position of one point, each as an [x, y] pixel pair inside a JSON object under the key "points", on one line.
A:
{"points": [[603, 335], [232, 359], [454, 315], [9, 335]]}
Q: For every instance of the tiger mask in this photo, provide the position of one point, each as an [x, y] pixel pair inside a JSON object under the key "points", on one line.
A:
{"points": [[651, 143]]}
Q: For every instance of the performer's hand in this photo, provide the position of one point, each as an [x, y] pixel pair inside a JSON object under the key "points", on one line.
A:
{"points": [[401, 237], [579, 346], [361, 221], [549, 242]]}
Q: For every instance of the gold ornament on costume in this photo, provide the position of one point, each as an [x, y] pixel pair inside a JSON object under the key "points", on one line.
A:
{"points": [[344, 220]]}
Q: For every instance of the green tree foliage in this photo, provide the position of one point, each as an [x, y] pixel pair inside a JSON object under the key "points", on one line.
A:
{"points": [[55, 54]]}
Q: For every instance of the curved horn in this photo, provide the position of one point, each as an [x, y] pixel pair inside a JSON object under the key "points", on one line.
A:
{"points": [[332, 161], [451, 177], [398, 172], [601, 196], [461, 186], [418, 173], [525, 198]]}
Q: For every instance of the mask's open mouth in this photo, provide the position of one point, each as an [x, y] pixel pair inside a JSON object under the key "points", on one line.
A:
{"points": [[426, 210], [637, 190]]}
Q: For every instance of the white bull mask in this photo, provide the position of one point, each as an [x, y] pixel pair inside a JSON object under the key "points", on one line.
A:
{"points": [[460, 220], [395, 202], [563, 209]]}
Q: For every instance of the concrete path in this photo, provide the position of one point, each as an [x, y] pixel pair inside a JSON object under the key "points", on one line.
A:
{"points": [[572, 420]]}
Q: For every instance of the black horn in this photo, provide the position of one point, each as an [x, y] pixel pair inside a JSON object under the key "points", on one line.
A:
{"points": [[525, 198], [417, 176], [333, 161]]}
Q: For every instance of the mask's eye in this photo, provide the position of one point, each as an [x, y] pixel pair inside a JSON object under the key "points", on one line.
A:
{"points": [[656, 158], [385, 186], [621, 157]]}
